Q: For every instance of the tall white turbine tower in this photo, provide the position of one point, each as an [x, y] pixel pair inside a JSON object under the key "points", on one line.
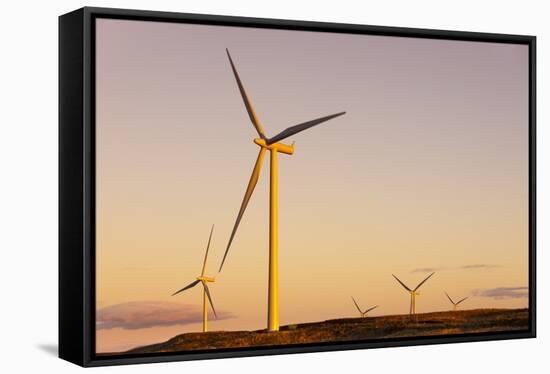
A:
{"points": [[275, 147], [205, 291], [414, 292]]}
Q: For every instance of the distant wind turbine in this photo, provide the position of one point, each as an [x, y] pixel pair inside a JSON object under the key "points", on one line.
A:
{"points": [[452, 302], [363, 314], [206, 292], [414, 293], [274, 146]]}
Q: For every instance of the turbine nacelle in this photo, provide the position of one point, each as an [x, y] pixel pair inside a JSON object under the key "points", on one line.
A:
{"points": [[206, 279], [279, 147]]}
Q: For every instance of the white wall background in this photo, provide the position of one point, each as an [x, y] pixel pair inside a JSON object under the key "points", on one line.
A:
{"points": [[28, 183]]}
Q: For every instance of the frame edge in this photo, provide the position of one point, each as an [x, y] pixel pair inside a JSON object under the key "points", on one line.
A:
{"points": [[76, 206], [71, 260]]}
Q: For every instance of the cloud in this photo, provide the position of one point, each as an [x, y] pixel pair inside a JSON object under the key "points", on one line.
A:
{"points": [[143, 314], [463, 267], [503, 292], [427, 270], [478, 266]]}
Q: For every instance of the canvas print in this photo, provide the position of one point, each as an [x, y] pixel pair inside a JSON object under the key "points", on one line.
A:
{"points": [[265, 187]]}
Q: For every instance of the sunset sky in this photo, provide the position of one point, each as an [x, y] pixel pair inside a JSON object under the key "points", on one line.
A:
{"points": [[427, 171]]}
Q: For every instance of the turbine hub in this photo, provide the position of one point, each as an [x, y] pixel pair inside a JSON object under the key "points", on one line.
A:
{"points": [[279, 147], [206, 279]]}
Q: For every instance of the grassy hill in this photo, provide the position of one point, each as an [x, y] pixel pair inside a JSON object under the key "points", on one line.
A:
{"points": [[350, 329]]}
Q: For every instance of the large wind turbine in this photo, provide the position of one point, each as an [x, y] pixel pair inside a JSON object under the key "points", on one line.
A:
{"points": [[452, 302], [205, 292], [414, 293], [274, 146], [363, 314]]}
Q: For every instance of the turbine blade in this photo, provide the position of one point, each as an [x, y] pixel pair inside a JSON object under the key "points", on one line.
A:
{"points": [[206, 254], [461, 301], [251, 185], [301, 127], [374, 307], [357, 306], [448, 297], [421, 283], [247, 104], [209, 298], [403, 284], [190, 285]]}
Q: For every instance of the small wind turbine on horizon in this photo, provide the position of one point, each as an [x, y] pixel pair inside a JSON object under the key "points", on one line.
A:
{"points": [[414, 292], [363, 314], [274, 146], [452, 302], [205, 292]]}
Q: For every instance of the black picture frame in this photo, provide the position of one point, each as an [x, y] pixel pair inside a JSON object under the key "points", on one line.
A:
{"points": [[77, 182]]}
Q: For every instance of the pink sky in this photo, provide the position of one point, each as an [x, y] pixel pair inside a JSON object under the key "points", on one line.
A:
{"points": [[426, 171]]}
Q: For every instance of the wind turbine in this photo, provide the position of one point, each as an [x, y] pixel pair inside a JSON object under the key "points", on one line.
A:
{"points": [[452, 302], [414, 293], [363, 314], [274, 146], [205, 292]]}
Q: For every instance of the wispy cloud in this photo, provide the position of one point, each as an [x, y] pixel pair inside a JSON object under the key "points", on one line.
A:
{"points": [[143, 314], [463, 267], [503, 292], [478, 266], [427, 270]]}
